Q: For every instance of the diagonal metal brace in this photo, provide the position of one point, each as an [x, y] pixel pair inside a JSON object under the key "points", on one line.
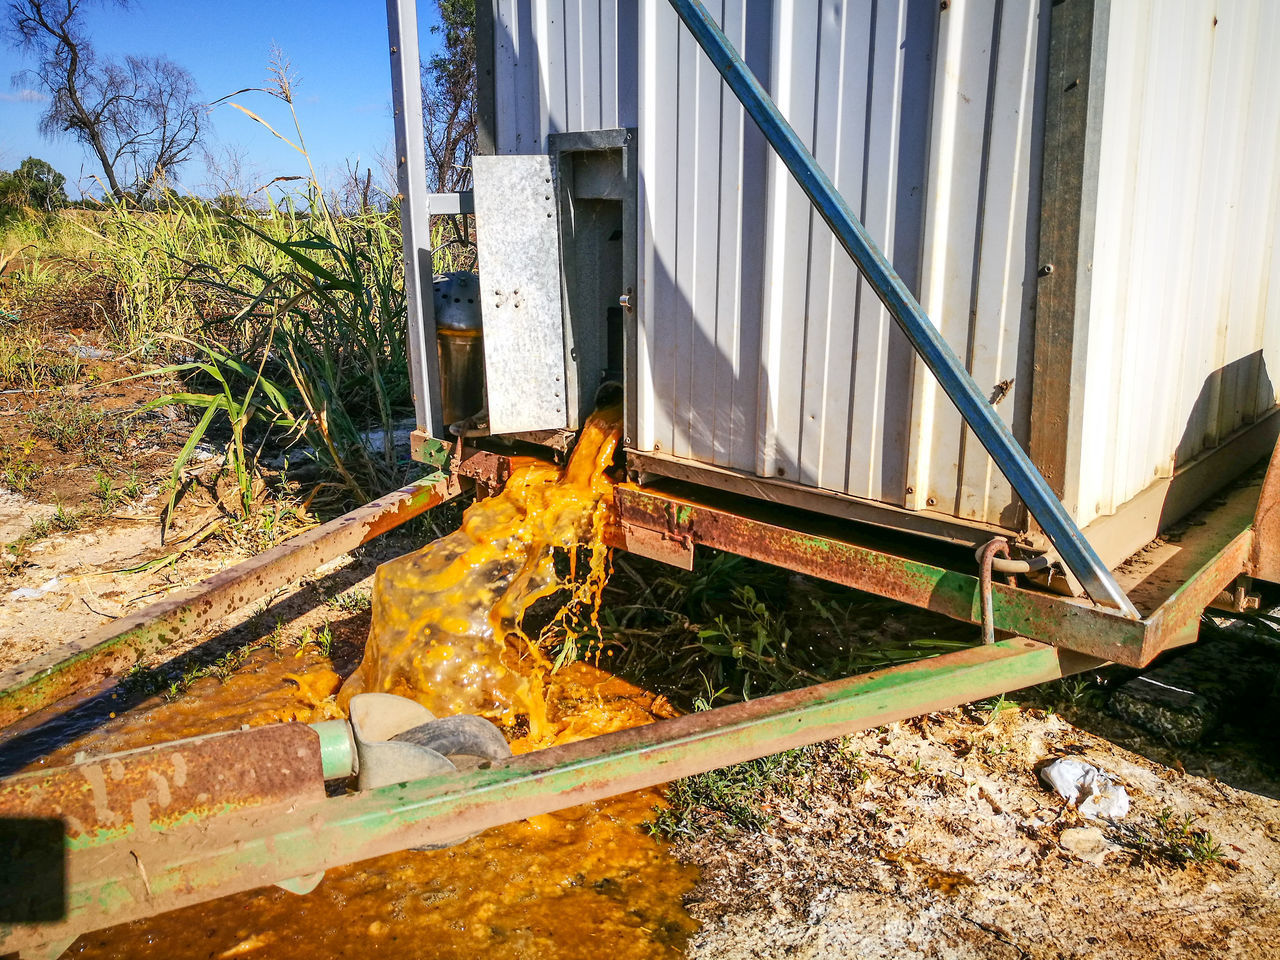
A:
{"points": [[954, 379]]}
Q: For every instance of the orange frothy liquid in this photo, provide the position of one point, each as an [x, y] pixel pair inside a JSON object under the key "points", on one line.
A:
{"points": [[577, 884], [580, 883], [448, 619]]}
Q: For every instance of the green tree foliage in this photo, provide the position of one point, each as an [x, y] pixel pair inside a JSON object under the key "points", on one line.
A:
{"points": [[35, 185]]}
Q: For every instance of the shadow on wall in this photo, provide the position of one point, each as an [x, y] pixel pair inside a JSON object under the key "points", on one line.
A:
{"points": [[1231, 399]]}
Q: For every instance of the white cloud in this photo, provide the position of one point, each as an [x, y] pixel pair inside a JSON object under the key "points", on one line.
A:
{"points": [[23, 96]]}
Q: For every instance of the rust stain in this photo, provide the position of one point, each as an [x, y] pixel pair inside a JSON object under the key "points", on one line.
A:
{"points": [[247, 768]]}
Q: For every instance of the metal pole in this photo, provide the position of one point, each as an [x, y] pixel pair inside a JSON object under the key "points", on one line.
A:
{"points": [[415, 214], [990, 430]]}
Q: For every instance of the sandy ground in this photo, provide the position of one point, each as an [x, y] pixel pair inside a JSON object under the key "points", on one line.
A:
{"points": [[935, 838], [72, 583]]}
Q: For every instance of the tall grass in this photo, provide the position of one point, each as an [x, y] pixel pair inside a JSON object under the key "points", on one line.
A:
{"points": [[148, 260], [134, 266], [284, 319], [316, 356]]}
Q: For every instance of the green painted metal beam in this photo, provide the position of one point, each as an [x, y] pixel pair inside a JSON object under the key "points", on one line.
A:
{"points": [[1062, 621], [1204, 567], [146, 872]]}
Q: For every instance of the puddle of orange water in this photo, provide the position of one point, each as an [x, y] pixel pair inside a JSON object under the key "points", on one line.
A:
{"points": [[585, 882], [580, 883]]}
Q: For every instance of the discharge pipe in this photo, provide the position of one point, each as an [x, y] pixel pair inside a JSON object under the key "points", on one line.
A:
{"points": [[954, 379]]}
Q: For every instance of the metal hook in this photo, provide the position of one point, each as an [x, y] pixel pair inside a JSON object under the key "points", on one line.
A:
{"points": [[999, 546]]}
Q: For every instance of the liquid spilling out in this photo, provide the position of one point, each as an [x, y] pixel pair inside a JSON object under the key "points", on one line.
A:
{"points": [[448, 631], [448, 619]]}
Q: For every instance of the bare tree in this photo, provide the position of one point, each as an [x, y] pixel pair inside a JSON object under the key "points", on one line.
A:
{"points": [[449, 99], [141, 118], [230, 177]]}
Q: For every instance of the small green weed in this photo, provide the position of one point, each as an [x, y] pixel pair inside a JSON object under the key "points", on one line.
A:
{"points": [[734, 798], [17, 469], [353, 601], [76, 427], [26, 363], [66, 520], [321, 639], [1174, 839], [142, 682], [109, 497], [1187, 842], [996, 706]]}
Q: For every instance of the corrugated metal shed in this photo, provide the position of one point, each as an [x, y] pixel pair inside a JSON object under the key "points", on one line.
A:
{"points": [[1181, 314], [767, 353], [763, 353], [562, 66]]}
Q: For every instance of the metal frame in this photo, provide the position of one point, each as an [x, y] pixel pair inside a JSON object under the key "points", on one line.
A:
{"points": [[940, 526], [1069, 168], [288, 838], [1174, 584], [415, 213]]}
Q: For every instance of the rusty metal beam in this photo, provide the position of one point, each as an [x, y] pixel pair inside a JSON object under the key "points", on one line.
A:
{"points": [[159, 787], [1264, 554], [113, 648], [1062, 621], [241, 850], [1197, 569]]}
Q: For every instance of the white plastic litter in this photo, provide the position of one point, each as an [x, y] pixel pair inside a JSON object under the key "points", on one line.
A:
{"points": [[31, 593], [88, 353], [1093, 793]]}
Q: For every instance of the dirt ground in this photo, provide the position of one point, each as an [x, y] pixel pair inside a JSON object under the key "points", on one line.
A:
{"points": [[935, 838], [927, 838], [84, 474], [930, 838]]}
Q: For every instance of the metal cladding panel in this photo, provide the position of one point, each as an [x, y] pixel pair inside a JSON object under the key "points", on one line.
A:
{"points": [[761, 348], [1183, 314], [562, 66], [516, 230], [703, 222]]}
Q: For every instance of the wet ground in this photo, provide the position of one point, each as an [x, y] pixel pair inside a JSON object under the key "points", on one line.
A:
{"points": [[929, 838], [584, 882]]}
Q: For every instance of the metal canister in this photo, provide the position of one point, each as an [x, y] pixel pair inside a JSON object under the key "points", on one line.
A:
{"points": [[460, 341]]}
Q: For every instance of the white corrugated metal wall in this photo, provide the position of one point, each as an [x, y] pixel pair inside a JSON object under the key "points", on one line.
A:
{"points": [[562, 66], [760, 348], [1182, 312], [765, 351]]}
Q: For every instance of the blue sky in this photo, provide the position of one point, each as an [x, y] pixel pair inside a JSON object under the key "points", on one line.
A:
{"points": [[337, 48]]}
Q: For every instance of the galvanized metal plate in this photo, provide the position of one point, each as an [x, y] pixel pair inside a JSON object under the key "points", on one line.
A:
{"points": [[519, 252]]}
